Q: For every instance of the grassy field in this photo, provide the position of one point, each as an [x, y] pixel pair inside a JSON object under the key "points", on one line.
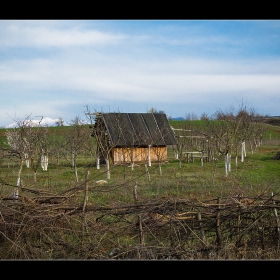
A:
{"points": [[259, 172]]}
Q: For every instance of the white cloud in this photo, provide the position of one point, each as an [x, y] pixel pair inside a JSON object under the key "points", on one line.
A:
{"points": [[149, 80], [44, 122], [55, 68], [35, 34]]}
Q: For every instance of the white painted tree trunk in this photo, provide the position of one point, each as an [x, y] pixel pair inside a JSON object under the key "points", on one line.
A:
{"points": [[73, 159], [243, 151], [251, 146], [227, 164], [226, 167], [132, 159], [149, 155], [76, 174], [97, 162], [16, 190], [44, 162], [108, 167], [132, 165], [160, 170], [27, 161]]}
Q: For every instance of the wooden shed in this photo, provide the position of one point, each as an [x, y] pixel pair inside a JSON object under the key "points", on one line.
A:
{"points": [[132, 137]]}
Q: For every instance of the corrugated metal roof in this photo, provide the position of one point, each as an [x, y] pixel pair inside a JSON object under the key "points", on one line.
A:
{"points": [[138, 129]]}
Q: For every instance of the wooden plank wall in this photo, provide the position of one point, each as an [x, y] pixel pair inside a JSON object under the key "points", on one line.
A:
{"points": [[125, 155]]}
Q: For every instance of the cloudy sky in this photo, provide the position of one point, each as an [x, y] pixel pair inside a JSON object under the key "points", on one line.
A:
{"points": [[58, 68]]}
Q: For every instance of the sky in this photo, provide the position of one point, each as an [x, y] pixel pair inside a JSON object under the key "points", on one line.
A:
{"points": [[65, 68]]}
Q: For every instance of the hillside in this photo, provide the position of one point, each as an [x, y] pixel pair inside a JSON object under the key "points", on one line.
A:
{"points": [[271, 120]]}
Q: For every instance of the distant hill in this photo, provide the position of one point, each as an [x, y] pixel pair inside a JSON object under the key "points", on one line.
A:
{"points": [[274, 120], [178, 119]]}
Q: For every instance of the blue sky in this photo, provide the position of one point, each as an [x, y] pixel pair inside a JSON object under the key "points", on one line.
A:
{"points": [[55, 68]]}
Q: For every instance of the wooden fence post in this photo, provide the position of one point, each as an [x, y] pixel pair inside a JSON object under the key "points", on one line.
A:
{"points": [[85, 203], [141, 234], [140, 228], [238, 222], [86, 191], [218, 224], [277, 222], [202, 233]]}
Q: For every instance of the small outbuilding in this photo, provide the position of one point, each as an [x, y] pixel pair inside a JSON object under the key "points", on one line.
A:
{"points": [[132, 137]]}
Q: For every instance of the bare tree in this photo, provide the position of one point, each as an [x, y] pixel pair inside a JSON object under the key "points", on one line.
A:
{"points": [[73, 143], [231, 129], [27, 143]]}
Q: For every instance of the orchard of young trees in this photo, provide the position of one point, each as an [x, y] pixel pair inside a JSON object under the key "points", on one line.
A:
{"points": [[150, 210], [230, 134]]}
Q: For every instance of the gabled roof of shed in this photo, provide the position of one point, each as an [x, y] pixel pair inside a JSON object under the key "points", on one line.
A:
{"points": [[138, 129]]}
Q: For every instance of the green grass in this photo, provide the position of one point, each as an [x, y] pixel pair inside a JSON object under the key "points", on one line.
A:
{"points": [[191, 178], [258, 172]]}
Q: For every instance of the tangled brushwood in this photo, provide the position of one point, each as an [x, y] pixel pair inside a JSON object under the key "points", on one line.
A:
{"points": [[43, 225]]}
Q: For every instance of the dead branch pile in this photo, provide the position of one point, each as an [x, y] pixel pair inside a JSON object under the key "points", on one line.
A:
{"points": [[48, 226]]}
